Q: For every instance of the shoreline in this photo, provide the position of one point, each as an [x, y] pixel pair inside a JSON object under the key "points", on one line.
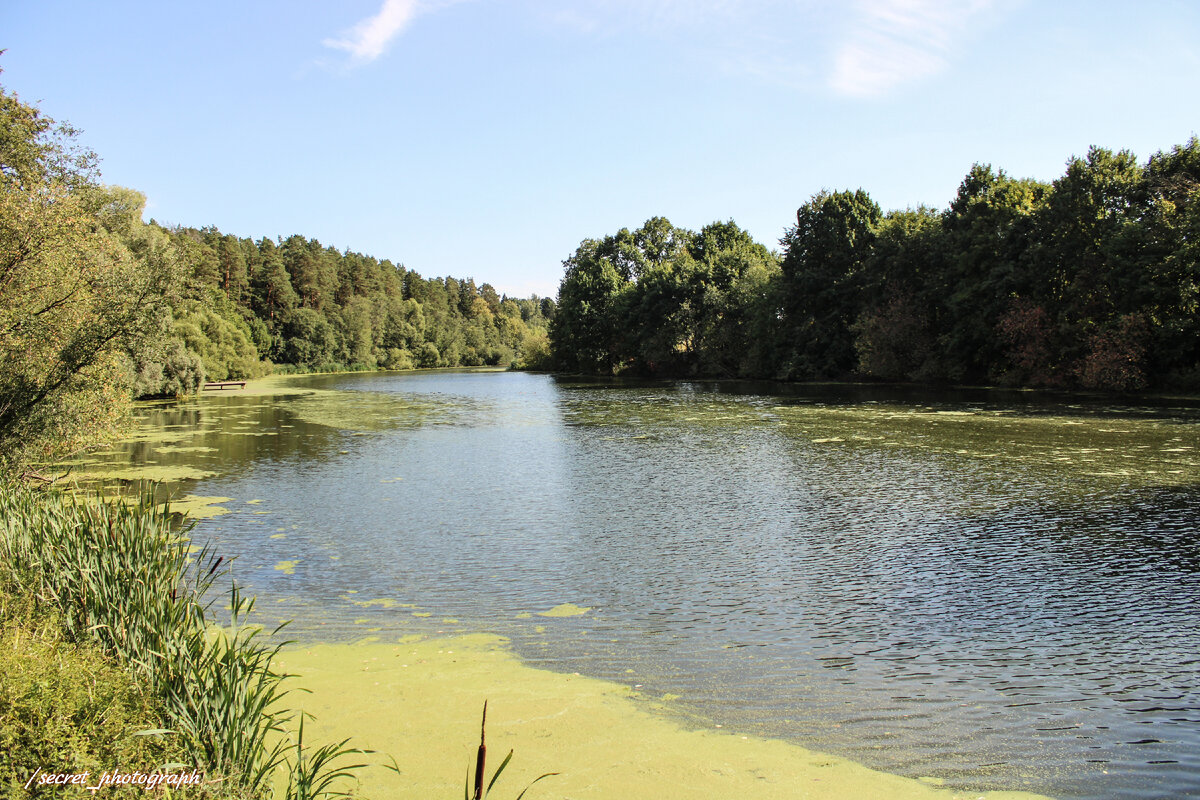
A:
{"points": [[419, 700], [272, 384]]}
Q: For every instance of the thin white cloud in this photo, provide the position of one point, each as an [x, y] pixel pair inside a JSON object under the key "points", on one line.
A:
{"points": [[760, 39], [897, 41], [369, 39]]}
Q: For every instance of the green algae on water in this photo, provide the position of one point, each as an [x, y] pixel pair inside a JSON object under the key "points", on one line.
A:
{"points": [[359, 412], [382, 602], [417, 700], [200, 507], [565, 610], [162, 474]]}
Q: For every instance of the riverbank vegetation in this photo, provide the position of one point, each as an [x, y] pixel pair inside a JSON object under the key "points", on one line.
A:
{"points": [[294, 305], [112, 658], [1091, 281], [98, 306], [110, 654]]}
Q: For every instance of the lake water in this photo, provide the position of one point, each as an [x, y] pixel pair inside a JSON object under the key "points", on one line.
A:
{"points": [[997, 589]]}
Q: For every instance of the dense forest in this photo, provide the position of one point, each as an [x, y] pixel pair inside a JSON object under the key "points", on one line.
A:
{"points": [[245, 307], [1090, 281]]}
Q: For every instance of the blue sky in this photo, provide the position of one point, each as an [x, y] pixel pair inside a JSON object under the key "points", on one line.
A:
{"points": [[487, 138]]}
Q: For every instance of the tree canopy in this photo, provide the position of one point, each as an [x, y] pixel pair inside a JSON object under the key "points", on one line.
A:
{"points": [[1090, 281], [81, 286]]}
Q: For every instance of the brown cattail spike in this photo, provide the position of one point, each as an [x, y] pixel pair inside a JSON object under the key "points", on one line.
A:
{"points": [[481, 757]]}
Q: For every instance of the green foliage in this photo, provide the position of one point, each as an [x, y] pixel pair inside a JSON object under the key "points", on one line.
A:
{"points": [[79, 288], [68, 705], [893, 341], [661, 300], [729, 301], [308, 340], [220, 336], [428, 355], [1115, 357], [308, 307], [894, 331], [36, 152], [121, 580], [175, 372], [587, 327], [1027, 340], [535, 352], [1092, 281], [312, 774], [396, 358], [824, 254], [273, 296]]}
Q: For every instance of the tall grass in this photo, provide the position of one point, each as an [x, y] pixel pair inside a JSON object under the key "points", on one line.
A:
{"points": [[122, 577]]}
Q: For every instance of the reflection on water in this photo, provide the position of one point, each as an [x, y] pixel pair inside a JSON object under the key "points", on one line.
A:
{"points": [[988, 588]]}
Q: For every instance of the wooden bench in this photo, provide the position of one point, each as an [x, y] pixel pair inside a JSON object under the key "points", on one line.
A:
{"points": [[225, 385]]}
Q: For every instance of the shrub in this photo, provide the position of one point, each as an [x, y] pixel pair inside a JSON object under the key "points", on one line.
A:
{"points": [[68, 707], [1115, 359]]}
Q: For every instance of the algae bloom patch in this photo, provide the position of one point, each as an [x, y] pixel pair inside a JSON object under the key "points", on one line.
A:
{"points": [[565, 610], [415, 700], [382, 602], [200, 507]]}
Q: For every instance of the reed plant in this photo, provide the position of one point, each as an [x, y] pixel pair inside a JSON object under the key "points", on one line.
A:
{"points": [[124, 578], [313, 774], [474, 788]]}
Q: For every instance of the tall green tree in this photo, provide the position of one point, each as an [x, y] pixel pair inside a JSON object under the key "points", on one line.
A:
{"points": [[74, 298], [1088, 255], [733, 291], [233, 273], [586, 333], [274, 296], [1170, 226], [982, 266], [823, 257], [895, 330]]}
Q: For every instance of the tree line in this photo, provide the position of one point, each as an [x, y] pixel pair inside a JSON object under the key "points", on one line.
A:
{"points": [[245, 307], [98, 307], [1090, 281]]}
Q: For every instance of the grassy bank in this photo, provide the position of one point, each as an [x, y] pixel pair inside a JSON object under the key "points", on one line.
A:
{"points": [[112, 659], [67, 706]]}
